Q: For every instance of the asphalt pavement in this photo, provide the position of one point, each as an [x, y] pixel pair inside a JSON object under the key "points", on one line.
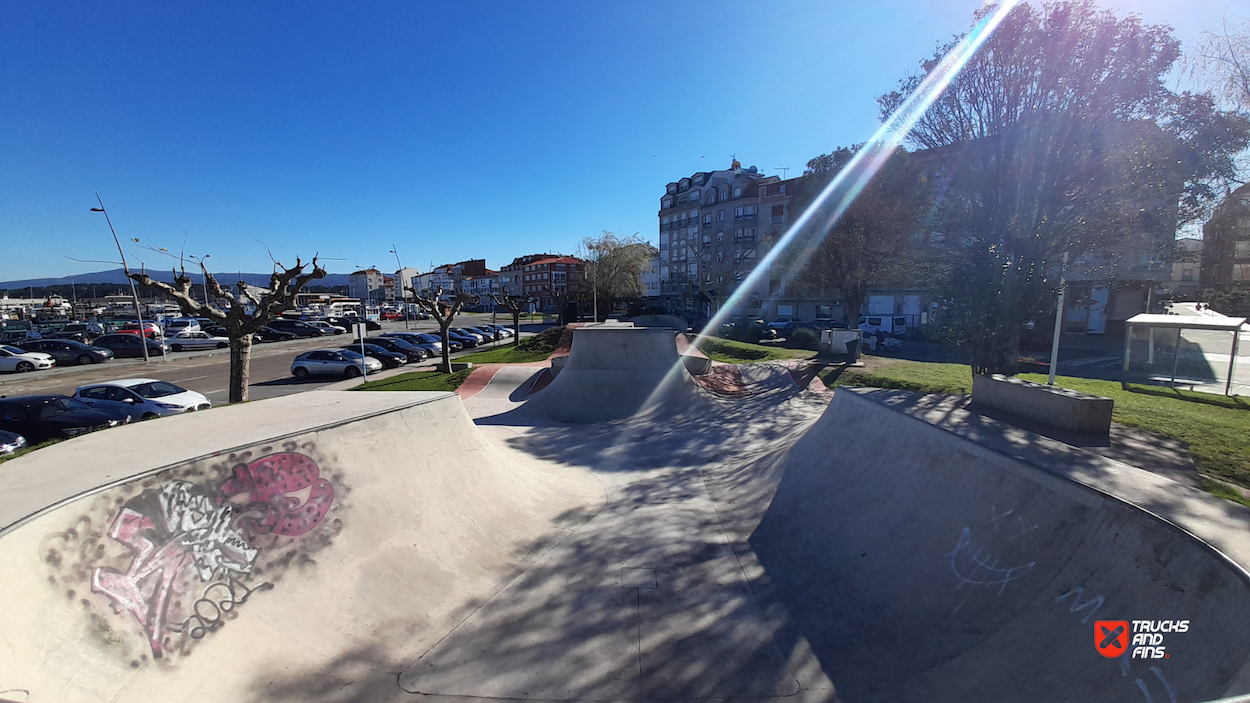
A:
{"points": [[208, 372]]}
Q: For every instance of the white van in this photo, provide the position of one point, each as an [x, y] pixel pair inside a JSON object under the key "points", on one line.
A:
{"points": [[884, 324], [181, 324]]}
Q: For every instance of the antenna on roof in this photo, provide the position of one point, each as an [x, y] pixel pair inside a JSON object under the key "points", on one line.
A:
{"points": [[784, 170]]}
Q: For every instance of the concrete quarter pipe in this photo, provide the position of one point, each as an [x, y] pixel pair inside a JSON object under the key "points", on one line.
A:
{"points": [[343, 547]]}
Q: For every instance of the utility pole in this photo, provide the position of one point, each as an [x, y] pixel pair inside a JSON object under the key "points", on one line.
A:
{"points": [[143, 336], [402, 291], [1054, 343]]}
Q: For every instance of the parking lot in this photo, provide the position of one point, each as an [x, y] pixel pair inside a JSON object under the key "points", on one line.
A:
{"points": [[208, 371]]}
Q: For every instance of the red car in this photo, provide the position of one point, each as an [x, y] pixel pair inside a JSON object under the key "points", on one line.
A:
{"points": [[391, 315], [151, 330]]}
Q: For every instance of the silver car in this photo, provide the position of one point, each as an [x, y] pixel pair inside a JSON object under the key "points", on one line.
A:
{"points": [[333, 362]]}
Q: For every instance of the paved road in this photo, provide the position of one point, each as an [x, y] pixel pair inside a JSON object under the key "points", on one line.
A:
{"points": [[207, 372]]}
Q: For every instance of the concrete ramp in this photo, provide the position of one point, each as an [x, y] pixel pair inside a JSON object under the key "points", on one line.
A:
{"points": [[918, 566], [336, 533], [614, 372]]}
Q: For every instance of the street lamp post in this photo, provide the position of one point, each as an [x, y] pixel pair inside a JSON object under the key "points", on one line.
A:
{"points": [[402, 300], [143, 336]]}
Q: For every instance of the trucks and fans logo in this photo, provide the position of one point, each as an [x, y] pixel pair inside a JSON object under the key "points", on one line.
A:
{"points": [[1111, 637]]}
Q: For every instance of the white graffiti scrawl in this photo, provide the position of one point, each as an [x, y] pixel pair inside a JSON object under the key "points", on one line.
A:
{"points": [[181, 532]]}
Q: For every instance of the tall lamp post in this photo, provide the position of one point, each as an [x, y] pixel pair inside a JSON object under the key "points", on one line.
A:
{"points": [[143, 336], [402, 290]]}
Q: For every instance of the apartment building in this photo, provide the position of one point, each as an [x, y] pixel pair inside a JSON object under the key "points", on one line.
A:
{"points": [[714, 227], [512, 276], [553, 281], [1226, 247], [366, 284]]}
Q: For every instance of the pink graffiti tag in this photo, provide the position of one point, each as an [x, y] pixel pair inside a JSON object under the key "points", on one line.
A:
{"points": [[266, 484], [126, 590]]}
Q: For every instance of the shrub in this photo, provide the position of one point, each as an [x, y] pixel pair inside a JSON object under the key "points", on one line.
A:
{"points": [[804, 338]]}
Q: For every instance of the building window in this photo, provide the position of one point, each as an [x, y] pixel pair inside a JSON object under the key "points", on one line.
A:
{"points": [[707, 219], [751, 211], [1187, 273], [737, 192], [694, 196], [672, 188], [1241, 250], [737, 212], [720, 216], [666, 203]]}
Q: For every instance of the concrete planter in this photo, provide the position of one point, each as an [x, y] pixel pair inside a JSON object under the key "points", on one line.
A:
{"points": [[1057, 407]]}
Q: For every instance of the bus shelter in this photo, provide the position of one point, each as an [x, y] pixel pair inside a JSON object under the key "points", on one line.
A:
{"points": [[1195, 352]]}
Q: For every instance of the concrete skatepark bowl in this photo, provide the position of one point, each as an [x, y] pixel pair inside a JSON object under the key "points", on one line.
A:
{"points": [[338, 547]]}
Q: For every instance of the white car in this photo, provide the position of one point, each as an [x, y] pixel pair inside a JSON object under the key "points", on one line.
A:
{"points": [[781, 322], [197, 340], [16, 360], [325, 327], [333, 362], [145, 398]]}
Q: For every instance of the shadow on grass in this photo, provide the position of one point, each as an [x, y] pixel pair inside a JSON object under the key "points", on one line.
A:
{"points": [[1230, 402]]}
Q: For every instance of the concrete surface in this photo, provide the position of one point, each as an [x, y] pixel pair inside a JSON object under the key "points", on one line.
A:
{"points": [[613, 372], [421, 521], [1060, 407]]}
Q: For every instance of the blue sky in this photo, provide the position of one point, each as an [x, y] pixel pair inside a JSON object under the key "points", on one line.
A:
{"points": [[452, 130]]}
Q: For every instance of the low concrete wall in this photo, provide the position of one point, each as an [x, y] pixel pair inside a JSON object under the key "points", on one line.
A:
{"points": [[1059, 407]]}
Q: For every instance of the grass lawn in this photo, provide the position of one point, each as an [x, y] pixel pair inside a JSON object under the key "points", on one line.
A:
{"points": [[1216, 428], [731, 352], [418, 381]]}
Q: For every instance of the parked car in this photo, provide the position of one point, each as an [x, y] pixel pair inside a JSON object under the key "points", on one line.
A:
{"points": [[414, 352], [326, 327], [79, 331], [40, 418], [11, 442], [333, 362], [507, 331], [269, 334], [392, 315], [420, 338], [794, 326], [179, 325], [747, 331], [130, 345], [347, 322], [150, 329], [19, 336], [297, 327], [67, 351], [491, 334], [467, 341], [390, 359], [197, 340], [144, 398], [16, 360], [782, 322]]}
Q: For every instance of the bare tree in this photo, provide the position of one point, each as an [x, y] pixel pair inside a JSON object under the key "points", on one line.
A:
{"points": [[1223, 57], [443, 313], [515, 305], [614, 265], [238, 322]]}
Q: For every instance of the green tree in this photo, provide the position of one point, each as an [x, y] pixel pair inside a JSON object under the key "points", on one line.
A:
{"points": [[868, 245], [1059, 137]]}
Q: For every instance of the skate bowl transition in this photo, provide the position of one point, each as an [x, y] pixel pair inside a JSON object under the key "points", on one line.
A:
{"points": [[334, 547]]}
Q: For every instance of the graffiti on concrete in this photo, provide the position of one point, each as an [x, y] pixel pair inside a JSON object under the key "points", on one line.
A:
{"points": [[194, 551]]}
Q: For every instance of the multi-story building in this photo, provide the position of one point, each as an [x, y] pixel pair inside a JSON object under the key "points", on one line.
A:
{"points": [[483, 286], [651, 279], [1226, 247], [362, 284], [553, 281], [511, 277], [405, 279], [714, 228]]}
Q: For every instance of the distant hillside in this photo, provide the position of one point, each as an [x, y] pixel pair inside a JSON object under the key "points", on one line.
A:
{"points": [[117, 276]]}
